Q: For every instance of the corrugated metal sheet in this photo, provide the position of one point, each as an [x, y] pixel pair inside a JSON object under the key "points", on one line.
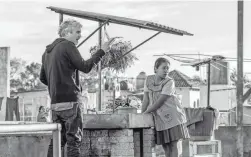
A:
{"points": [[119, 20]]}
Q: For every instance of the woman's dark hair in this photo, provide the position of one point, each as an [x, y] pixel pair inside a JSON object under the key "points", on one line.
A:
{"points": [[40, 108], [159, 61]]}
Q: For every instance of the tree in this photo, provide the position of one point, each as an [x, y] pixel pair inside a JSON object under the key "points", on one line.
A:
{"points": [[17, 66], [246, 83], [23, 76], [32, 73], [233, 78]]}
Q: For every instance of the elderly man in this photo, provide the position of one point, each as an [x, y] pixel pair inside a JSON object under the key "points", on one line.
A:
{"points": [[60, 61]]}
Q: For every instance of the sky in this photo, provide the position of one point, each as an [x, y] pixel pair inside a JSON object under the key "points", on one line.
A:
{"points": [[28, 26]]}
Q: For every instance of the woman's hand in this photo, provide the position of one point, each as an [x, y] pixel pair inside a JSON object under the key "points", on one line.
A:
{"points": [[158, 103], [146, 112]]}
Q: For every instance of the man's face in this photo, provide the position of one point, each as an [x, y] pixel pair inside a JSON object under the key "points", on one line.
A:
{"points": [[75, 35]]}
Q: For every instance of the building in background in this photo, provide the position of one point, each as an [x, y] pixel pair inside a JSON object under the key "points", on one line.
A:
{"points": [[30, 101], [140, 80], [187, 88]]}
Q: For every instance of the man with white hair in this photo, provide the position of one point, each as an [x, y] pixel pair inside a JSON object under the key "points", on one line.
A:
{"points": [[60, 61]]}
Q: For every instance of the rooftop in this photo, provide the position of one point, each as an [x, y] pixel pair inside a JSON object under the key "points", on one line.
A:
{"points": [[182, 80]]}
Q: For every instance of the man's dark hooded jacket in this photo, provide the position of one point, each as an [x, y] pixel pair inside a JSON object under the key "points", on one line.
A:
{"points": [[59, 62]]}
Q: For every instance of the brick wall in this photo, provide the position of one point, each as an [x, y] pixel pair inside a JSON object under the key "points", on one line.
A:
{"points": [[118, 143], [108, 143], [148, 143], [136, 141]]}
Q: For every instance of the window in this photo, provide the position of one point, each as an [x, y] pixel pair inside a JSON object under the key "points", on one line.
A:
{"points": [[28, 107], [26, 110]]}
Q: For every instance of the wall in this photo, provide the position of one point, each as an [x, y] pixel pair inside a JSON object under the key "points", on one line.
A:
{"points": [[4, 71], [194, 97], [29, 103], [117, 143], [227, 135], [4, 78], [224, 92], [246, 116], [220, 76], [24, 145], [188, 96], [100, 143], [185, 93], [92, 100]]}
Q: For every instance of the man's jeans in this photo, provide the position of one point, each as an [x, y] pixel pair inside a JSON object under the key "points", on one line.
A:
{"points": [[71, 133]]}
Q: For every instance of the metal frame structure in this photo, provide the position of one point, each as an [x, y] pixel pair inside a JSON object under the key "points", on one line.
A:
{"points": [[7, 128], [103, 19], [208, 62]]}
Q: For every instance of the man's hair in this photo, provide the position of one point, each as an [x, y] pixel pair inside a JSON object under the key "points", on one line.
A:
{"points": [[66, 27]]}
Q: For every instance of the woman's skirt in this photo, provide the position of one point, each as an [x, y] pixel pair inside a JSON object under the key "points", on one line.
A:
{"points": [[173, 134]]}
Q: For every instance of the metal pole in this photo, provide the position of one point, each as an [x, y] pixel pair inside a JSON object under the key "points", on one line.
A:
{"points": [[208, 83], [23, 109], [57, 143], [141, 44], [92, 33], [61, 18], [99, 70], [56, 139], [113, 97], [239, 138], [14, 128]]}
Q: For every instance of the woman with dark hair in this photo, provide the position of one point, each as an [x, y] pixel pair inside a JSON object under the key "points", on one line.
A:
{"points": [[42, 114], [160, 99]]}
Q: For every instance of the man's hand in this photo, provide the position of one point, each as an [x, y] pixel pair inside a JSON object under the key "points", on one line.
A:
{"points": [[107, 44]]}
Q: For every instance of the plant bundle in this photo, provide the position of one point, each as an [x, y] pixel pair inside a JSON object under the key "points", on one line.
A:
{"points": [[115, 59]]}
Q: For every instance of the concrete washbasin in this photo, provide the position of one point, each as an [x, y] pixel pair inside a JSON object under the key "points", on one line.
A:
{"points": [[35, 144]]}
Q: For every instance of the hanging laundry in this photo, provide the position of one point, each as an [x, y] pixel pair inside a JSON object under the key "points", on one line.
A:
{"points": [[1, 100], [12, 107]]}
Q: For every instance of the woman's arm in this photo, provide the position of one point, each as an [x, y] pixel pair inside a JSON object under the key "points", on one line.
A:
{"points": [[145, 102], [158, 103]]}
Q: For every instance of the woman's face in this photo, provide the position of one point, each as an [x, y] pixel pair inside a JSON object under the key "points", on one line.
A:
{"points": [[163, 70], [42, 109]]}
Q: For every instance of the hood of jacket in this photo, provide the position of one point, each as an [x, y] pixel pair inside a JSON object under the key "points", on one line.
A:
{"points": [[50, 47]]}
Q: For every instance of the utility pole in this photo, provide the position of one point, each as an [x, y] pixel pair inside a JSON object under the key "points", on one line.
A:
{"points": [[239, 129]]}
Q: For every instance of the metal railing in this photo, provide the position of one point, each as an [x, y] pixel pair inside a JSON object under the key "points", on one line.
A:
{"points": [[6, 127]]}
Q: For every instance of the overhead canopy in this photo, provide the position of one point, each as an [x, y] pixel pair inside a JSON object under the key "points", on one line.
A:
{"points": [[119, 20]]}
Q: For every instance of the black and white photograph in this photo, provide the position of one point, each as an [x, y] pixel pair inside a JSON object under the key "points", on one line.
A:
{"points": [[125, 78]]}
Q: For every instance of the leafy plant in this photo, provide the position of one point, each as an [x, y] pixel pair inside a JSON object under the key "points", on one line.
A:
{"points": [[115, 59]]}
